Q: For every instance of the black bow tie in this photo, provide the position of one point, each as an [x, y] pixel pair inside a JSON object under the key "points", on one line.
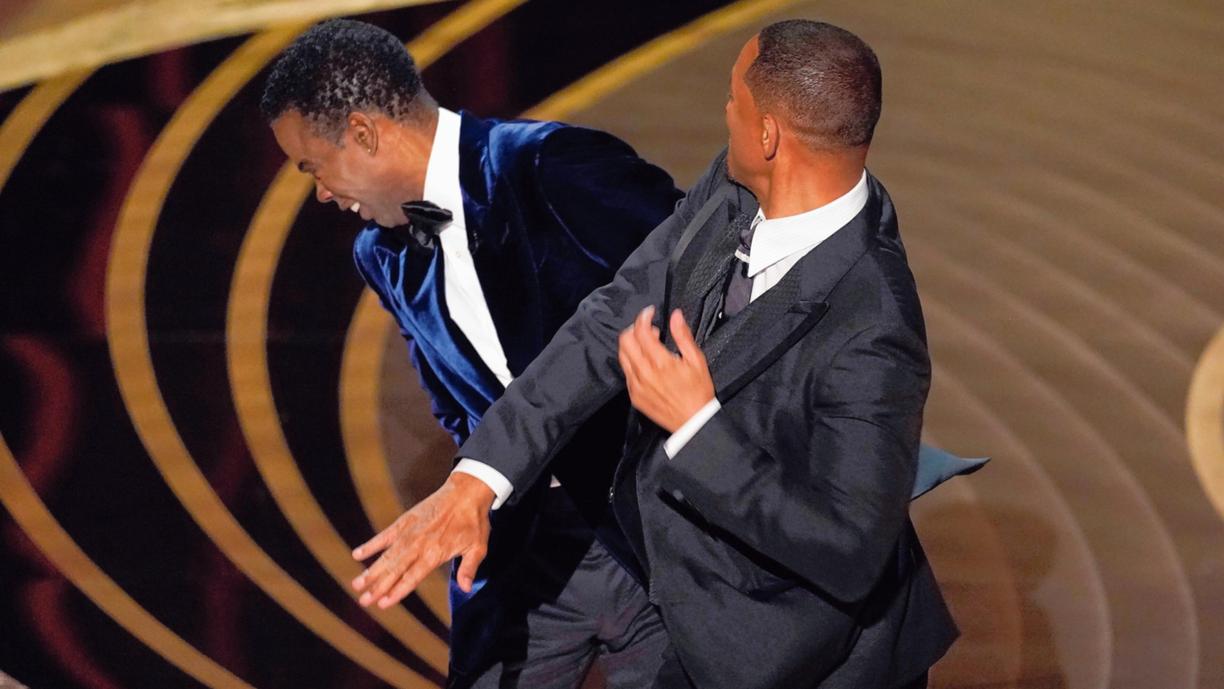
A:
{"points": [[425, 220]]}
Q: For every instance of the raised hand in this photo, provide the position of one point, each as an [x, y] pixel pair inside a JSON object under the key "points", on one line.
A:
{"points": [[452, 522], [668, 388]]}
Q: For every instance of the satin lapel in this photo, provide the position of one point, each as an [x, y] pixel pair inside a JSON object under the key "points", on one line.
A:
{"points": [[500, 250], [425, 314], [746, 345], [700, 263]]}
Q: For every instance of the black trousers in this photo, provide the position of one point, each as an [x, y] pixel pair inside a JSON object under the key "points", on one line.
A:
{"points": [[672, 676], [576, 605]]}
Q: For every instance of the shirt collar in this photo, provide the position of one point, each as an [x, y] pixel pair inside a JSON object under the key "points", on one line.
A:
{"points": [[776, 239], [442, 171]]}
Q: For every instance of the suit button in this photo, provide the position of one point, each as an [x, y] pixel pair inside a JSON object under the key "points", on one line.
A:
{"points": [[611, 493]]}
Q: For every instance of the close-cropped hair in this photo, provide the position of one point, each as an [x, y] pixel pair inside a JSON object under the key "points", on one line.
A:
{"points": [[823, 81], [342, 66]]}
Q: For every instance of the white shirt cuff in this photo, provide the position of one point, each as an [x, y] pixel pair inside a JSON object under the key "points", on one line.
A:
{"points": [[487, 475], [685, 433]]}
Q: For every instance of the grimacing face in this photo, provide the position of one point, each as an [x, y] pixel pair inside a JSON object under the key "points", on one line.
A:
{"points": [[348, 173], [745, 159]]}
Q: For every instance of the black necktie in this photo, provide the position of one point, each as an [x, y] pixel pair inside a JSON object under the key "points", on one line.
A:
{"points": [[425, 220], [739, 287]]}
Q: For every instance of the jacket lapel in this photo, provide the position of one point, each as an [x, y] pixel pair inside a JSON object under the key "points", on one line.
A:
{"points": [[502, 256], [700, 265], [416, 288], [743, 347]]}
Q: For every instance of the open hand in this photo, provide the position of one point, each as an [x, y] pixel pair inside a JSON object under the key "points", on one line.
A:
{"points": [[452, 522], [668, 388]]}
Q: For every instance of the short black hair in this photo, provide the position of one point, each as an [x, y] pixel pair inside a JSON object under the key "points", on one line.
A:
{"points": [[342, 66], [823, 80]]}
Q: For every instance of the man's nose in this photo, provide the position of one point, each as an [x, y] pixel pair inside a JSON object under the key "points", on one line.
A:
{"points": [[322, 193]]}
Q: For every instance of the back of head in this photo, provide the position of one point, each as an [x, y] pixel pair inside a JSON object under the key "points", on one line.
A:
{"points": [[823, 81], [342, 66]]}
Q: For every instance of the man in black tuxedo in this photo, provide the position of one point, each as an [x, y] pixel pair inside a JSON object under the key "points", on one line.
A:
{"points": [[774, 446], [516, 223]]}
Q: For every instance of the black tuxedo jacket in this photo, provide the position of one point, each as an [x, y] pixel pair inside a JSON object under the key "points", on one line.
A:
{"points": [[777, 542], [551, 212]]}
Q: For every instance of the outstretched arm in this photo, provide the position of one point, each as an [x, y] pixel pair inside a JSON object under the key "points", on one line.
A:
{"points": [[572, 378]]}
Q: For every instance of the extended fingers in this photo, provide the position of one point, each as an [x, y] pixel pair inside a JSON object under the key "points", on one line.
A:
{"points": [[375, 545], [404, 584], [382, 575]]}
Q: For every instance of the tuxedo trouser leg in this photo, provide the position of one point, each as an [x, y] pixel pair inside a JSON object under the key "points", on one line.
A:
{"points": [[575, 612], [632, 640]]}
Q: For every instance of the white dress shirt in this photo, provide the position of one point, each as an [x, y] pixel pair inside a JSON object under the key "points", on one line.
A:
{"points": [[464, 296]]}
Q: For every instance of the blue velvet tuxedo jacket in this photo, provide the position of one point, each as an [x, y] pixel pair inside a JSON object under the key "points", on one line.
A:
{"points": [[551, 212]]}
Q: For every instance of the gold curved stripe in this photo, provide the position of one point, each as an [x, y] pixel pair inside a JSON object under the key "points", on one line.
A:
{"points": [[127, 337], [131, 29], [29, 117], [32, 515], [1205, 421], [612, 76], [20, 498], [457, 27], [360, 373], [247, 354]]}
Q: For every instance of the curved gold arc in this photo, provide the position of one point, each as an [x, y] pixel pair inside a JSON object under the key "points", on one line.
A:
{"points": [[25, 121], [126, 30], [1205, 421], [247, 354], [32, 515], [632, 65], [360, 379], [20, 498], [127, 337]]}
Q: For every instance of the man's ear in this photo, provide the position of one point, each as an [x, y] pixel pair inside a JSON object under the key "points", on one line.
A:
{"points": [[771, 134], [362, 131]]}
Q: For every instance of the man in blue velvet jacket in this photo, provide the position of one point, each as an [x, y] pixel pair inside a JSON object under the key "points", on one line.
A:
{"points": [[519, 222]]}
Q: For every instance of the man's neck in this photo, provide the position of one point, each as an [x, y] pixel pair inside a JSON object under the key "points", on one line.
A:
{"points": [[413, 142], [798, 184]]}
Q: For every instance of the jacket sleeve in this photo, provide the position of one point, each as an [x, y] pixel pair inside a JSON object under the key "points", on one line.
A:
{"points": [[578, 372], [831, 515], [446, 410], [604, 196], [452, 417]]}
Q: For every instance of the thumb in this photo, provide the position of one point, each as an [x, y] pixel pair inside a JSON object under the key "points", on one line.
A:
{"points": [[469, 563]]}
